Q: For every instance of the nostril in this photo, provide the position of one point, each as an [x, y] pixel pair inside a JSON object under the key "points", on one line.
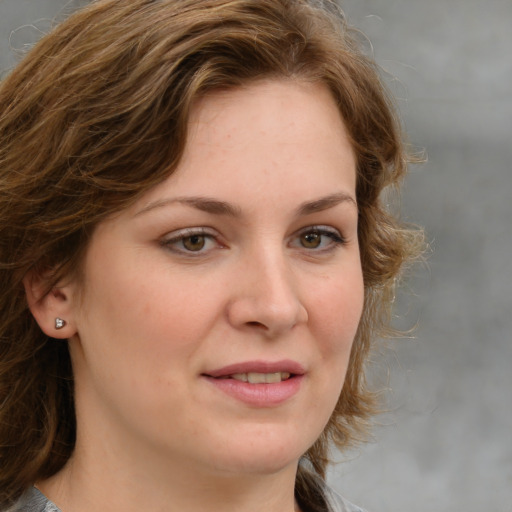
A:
{"points": [[256, 324], [265, 316]]}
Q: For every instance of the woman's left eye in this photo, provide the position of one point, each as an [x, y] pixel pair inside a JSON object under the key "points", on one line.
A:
{"points": [[319, 238]]}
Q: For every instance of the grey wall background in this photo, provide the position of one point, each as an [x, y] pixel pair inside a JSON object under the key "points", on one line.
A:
{"points": [[446, 442]]}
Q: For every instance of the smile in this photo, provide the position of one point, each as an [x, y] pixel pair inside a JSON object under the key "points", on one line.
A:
{"points": [[258, 372], [260, 378], [258, 384]]}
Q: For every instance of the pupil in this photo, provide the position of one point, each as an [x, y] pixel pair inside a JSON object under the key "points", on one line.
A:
{"points": [[194, 243], [311, 239]]}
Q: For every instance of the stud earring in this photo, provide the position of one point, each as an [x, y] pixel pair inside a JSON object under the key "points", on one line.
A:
{"points": [[59, 323]]}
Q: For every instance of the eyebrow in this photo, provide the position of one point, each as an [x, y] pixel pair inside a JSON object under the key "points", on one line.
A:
{"points": [[324, 203], [216, 207], [205, 204]]}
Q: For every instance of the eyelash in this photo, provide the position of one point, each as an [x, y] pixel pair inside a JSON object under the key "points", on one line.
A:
{"points": [[184, 234], [336, 239]]}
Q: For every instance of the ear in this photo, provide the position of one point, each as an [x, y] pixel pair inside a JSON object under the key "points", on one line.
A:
{"points": [[46, 308]]}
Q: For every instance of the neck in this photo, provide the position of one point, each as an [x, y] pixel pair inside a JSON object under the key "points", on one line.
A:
{"points": [[81, 487], [116, 468]]}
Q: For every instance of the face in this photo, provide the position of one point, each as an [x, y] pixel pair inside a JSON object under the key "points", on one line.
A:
{"points": [[218, 313]]}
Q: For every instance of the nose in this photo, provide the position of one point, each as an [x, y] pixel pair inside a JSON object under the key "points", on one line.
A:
{"points": [[266, 297]]}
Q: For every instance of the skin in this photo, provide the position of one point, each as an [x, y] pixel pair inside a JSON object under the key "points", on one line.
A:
{"points": [[157, 313]]}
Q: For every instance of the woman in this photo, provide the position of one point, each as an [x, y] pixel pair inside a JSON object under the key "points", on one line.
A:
{"points": [[194, 256]]}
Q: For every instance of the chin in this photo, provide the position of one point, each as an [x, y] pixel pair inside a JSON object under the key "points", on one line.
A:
{"points": [[262, 454], [268, 464]]}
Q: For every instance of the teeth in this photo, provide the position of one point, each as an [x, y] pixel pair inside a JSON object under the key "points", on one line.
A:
{"points": [[261, 378]]}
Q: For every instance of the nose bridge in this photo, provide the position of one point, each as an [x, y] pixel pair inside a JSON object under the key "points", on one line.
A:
{"points": [[273, 274], [267, 293]]}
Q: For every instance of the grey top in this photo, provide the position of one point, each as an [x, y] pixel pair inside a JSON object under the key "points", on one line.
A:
{"points": [[34, 501]]}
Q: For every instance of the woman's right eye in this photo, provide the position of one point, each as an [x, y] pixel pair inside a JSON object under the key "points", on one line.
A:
{"points": [[190, 242], [194, 243]]}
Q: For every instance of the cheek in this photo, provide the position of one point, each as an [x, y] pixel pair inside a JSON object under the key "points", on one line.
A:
{"points": [[149, 317], [337, 311], [138, 337]]}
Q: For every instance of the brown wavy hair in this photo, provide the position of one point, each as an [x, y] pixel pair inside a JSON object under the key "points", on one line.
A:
{"points": [[96, 115]]}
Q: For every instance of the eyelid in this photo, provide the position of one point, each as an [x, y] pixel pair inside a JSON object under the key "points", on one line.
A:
{"points": [[174, 237], [334, 234], [322, 229], [184, 232]]}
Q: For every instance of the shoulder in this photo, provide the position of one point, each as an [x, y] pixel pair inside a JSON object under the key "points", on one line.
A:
{"points": [[33, 501]]}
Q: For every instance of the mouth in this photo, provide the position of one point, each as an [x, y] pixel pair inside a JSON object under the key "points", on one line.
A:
{"points": [[259, 384], [258, 372], [260, 378]]}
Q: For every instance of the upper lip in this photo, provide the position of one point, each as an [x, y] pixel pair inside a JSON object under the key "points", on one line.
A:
{"points": [[285, 366]]}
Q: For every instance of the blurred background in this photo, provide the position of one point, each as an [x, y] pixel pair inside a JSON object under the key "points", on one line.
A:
{"points": [[445, 443]]}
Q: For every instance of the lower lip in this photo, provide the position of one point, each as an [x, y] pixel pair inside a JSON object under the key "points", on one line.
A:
{"points": [[259, 395]]}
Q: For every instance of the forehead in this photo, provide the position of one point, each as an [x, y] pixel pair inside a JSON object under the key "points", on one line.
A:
{"points": [[262, 109], [279, 139]]}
